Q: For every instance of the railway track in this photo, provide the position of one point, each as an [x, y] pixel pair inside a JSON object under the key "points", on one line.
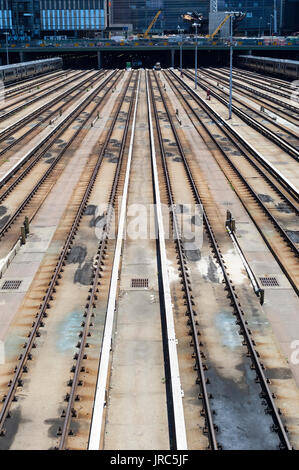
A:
{"points": [[279, 241], [60, 102], [183, 267], [11, 109], [30, 79], [94, 291], [54, 169], [261, 86], [277, 106], [280, 86], [54, 281], [79, 417], [288, 142], [276, 82], [11, 92]]}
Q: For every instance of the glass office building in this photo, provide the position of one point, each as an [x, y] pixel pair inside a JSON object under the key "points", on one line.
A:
{"points": [[72, 15], [34, 18], [259, 14], [139, 13], [5, 14], [290, 18]]}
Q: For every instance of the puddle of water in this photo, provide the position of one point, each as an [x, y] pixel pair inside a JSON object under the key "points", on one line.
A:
{"points": [[243, 424], [67, 331], [228, 330], [12, 347]]}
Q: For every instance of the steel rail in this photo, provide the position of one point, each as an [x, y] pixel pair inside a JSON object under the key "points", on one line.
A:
{"points": [[262, 129], [49, 142], [201, 379], [15, 127], [6, 131], [45, 93], [267, 394], [262, 87], [257, 75], [240, 143], [239, 72], [45, 305], [23, 88], [60, 83], [38, 75], [92, 297], [258, 93], [230, 132], [71, 117], [282, 232], [176, 418]]}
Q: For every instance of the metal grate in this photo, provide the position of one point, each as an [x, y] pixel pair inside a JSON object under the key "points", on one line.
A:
{"points": [[140, 282], [11, 284], [269, 281]]}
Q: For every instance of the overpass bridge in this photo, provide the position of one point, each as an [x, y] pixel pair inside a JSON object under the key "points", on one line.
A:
{"points": [[288, 48]]}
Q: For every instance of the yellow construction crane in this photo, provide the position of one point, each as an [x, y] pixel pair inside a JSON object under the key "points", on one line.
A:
{"points": [[218, 27], [145, 35]]}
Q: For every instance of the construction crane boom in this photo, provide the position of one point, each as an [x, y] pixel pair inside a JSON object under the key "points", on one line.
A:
{"points": [[218, 27], [152, 23]]}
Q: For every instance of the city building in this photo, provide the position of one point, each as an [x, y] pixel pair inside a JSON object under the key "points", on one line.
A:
{"points": [[260, 16], [137, 14], [290, 17], [72, 17], [25, 19]]}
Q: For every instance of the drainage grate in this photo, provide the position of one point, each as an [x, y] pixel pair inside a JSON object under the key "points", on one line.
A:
{"points": [[139, 282], [11, 284], [269, 281]]}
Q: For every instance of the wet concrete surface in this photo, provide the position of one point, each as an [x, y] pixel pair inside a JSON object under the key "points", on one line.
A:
{"points": [[265, 198], [283, 207], [11, 428], [240, 415], [3, 210], [90, 209], [95, 221], [84, 275], [77, 254], [193, 255], [3, 220], [294, 235]]}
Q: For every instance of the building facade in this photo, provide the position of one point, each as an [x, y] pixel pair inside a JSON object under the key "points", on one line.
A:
{"points": [[36, 18], [25, 19], [259, 19], [139, 13], [5, 15], [71, 16], [290, 17]]}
